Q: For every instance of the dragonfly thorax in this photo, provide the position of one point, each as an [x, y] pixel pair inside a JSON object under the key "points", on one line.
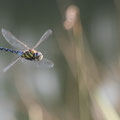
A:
{"points": [[32, 54]]}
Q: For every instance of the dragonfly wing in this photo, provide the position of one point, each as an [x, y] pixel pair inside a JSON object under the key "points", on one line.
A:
{"points": [[12, 40], [10, 65], [44, 37], [45, 63]]}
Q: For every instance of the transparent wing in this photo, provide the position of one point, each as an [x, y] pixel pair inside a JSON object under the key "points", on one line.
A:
{"points": [[44, 63], [12, 40], [10, 65], [44, 37]]}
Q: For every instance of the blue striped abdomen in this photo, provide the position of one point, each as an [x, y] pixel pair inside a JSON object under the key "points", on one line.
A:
{"points": [[12, 51]]}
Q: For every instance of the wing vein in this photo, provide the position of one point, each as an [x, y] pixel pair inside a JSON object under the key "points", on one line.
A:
{"points": [[10, 65], [44, 37], [12, 40]]}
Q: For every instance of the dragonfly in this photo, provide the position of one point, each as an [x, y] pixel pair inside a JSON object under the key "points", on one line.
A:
{"points": [[25, 53]]}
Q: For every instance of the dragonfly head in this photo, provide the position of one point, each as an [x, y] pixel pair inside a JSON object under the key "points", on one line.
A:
{"points": [[39, 56]]}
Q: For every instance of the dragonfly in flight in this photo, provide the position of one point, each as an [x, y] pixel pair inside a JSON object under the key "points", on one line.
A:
{"points": [[25, 52]]}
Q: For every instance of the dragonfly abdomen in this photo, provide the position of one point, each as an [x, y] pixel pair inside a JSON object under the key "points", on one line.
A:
{"points": [[12, 51]]}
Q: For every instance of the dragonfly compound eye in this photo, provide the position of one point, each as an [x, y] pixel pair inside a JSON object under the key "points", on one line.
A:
{"points": [[39, 55], [36, 54]]}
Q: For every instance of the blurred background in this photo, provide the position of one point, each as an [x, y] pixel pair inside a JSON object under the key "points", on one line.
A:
{"points": [[84, 83]]}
